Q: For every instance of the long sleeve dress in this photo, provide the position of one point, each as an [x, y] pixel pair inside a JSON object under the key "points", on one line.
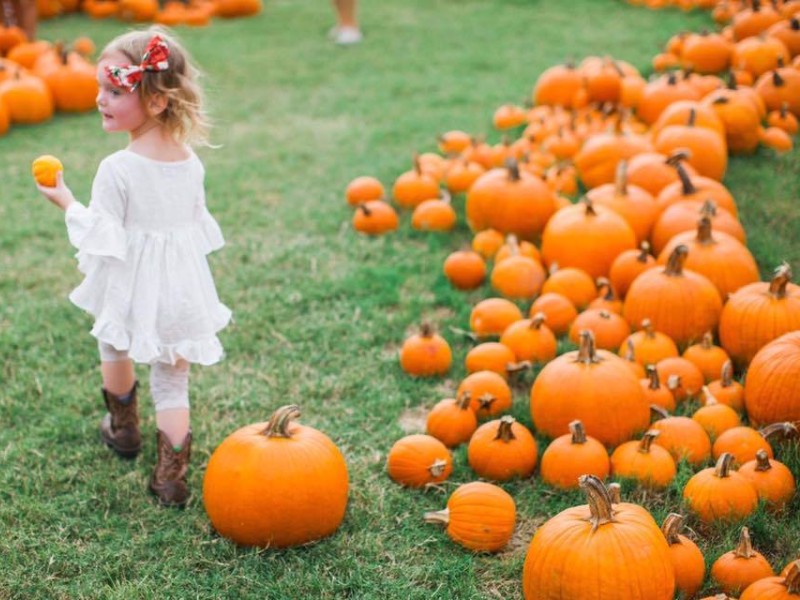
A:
{"points": [[142, 244]]}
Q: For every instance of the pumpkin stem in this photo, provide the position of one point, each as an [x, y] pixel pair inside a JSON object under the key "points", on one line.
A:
{"points": [[578, 432], [464, 400], [644, 248], [439, 516], [745, 547], [652, 375], [649, 331], [621, 179], [659, 412], [676, 157], [704, 231], [363, 208], [606, 291], [710, 399], [673, 382], [777, 80], [513, 169], [504, 431], [599, 500], [708, 209], [615, 492], [438, 467], [417, 164], [723, 467], [426, 330], [513, 244], [785, 105], [517, 367], [708, 341], [538, 320], [726, 377], [671, 528], [686, 181], [692, 117], [794, 24], [762, 461], [781, 278], [278, 425], [787, 429], [586, 352], [675, 262], [630, 353], [485, 402], [647, 440], [590, 211], [792, 579]]}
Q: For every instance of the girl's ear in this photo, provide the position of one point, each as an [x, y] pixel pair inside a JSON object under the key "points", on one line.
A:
{"points": [[156, 104]]}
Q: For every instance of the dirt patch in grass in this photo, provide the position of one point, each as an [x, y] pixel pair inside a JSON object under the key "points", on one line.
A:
{"points": [[413, 420]]}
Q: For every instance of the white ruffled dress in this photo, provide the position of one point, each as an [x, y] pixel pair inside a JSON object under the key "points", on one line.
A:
{"points": [[142, 245]]}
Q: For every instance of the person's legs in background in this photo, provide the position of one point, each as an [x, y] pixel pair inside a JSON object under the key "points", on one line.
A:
{"points": [[346, 31]]}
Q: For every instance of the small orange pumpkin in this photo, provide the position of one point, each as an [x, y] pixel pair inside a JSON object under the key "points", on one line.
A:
{"points": [[45, 168], [683, 437], [773, 480], [558, 310], [737, 569], [487, 242], [686, 557], [502, 449], [726, 390], [363, 189], [531, 339], [491, 356], [571, 455], [491, 316], [742, 443], [375, 218], [719, 494], [786, 587], [652, 466], [716, 418], [452, 421], [465, 269], [654, 392], [571, 282], [425, 354], [417, 460], [649, 346], [628, 266], [490, 393]]}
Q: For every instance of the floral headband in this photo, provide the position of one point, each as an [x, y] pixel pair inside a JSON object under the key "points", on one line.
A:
{"points": [[155, 58]]}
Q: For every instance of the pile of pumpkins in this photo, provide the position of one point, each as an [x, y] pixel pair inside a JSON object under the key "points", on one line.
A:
{"points": [[39, 78], [646, 273], [170, 12]]}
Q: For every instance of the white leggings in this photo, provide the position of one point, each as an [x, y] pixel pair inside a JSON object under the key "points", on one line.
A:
{"points": [[169, 384]]}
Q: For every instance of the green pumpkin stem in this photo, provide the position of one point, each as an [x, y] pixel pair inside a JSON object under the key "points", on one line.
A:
{"points": [[762, 461], [724, 463], [781, 278], [671, 528], [278, 425], [599, 500], [675, 262], [652, 375], [745, 547], [439, 517], [647, 440], [504, 430], [578, 432]]}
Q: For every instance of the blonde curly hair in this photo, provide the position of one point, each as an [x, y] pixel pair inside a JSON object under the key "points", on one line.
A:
{"points": [[185, 115]]}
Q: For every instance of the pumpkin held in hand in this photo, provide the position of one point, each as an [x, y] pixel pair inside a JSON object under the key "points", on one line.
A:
{"points": [[276, 484], [45, 168]]}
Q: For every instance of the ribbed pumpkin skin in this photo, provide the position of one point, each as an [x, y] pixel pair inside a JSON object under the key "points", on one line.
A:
{"points": [[482, 516], [683, 307], [275, 491], [772, 386], [606, 396], [684, 438], [753, 317], [520, 204], [770, 588], [419, 459], [735, 573], [655, 467], [775, 485], [743, 442], [689, 565], [451, 424], [564, 461], [720, 498], [500, 460], [587, 239], [627, 559]]}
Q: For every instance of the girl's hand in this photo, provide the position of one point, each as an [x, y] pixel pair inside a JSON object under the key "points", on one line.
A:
{"points": [[60, 194]]}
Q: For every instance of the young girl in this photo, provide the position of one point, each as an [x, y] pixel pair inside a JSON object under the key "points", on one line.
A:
{"points": [[142, 245]]}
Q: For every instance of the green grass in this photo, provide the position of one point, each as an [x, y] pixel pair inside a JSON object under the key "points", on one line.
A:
{"points": [[319, 310]]}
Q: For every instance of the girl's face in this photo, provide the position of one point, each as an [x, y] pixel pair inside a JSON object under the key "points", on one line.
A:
{"points": [[120, 110]]}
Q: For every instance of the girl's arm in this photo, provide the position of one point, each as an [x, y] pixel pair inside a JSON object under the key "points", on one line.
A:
{"points": [[60, 194]]}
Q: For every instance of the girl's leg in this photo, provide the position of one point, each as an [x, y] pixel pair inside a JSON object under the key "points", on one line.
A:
{"points": [[169, 385], [120, 427], [118, 376], [346, 11]]}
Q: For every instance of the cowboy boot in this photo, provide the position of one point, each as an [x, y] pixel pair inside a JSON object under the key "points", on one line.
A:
{"points": [[120, 427], [168, 482]]}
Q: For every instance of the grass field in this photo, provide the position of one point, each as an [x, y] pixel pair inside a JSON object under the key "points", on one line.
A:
{"points": [[319, 311]]}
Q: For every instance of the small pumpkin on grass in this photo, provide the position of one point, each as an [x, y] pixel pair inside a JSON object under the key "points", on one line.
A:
{"points": [[773, 480], [607, 298], [489, 391], [610, 329], [650, 346], [425, 354], [375, 217], [726, 390], [716, 418], [531, 339], [683, 437], [690, 377], [465, 269], [742, 443], [452, 420], [414, 186], [654, 392], [720, 494], [276, 484], [686, 557], [573, 283], [737, 569], [784, 587], [707, 357], [479, 516], [772, 386], [491, 316], [650, 465], [491, 356], [435, 214], [364, 189], [502, 449], [571, 455], [417, 460], [558, 310], [487, 242], [575, 551]]}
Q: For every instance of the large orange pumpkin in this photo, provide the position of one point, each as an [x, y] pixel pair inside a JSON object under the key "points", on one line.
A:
{"points": [[276, 484], [772, 386], [776, 588], [573, 554], [594, 386]]}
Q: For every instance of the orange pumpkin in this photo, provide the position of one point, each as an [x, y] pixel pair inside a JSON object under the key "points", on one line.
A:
{"points": [[518, 277], [737, 569], [653, 171], [785, 587], [490, 393], [45, 169], [425, 354], [436, 214], [598, 157], [562, 559], [561, 85], [558, 310], [649, 346], [502, 449], [27, 98], [778, 87], [363, 189], [571, 282], [628, 266], [654, 392], [465, 269], [706, 52], [662, 92], [719, 494], [418, 460], [696, 189], [276, 484], [374, 218], [716, 418], [490, 356], [771, 389], [783, 119], [742, 443], [461, 174], [452, 421], [487, 242], [531, 339], [683, 216], [685, 556], [589, 385], [454, 142], [571, 455], [707, 357], [726, 390], [414, 187], [708, 151], [682, 437], [491, 316], [773, 480], [610, 330], [479, 516], [652, 466]]}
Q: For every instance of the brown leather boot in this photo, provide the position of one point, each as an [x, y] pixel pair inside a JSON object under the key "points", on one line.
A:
{"points": [[168, 482], [120, 427]]}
